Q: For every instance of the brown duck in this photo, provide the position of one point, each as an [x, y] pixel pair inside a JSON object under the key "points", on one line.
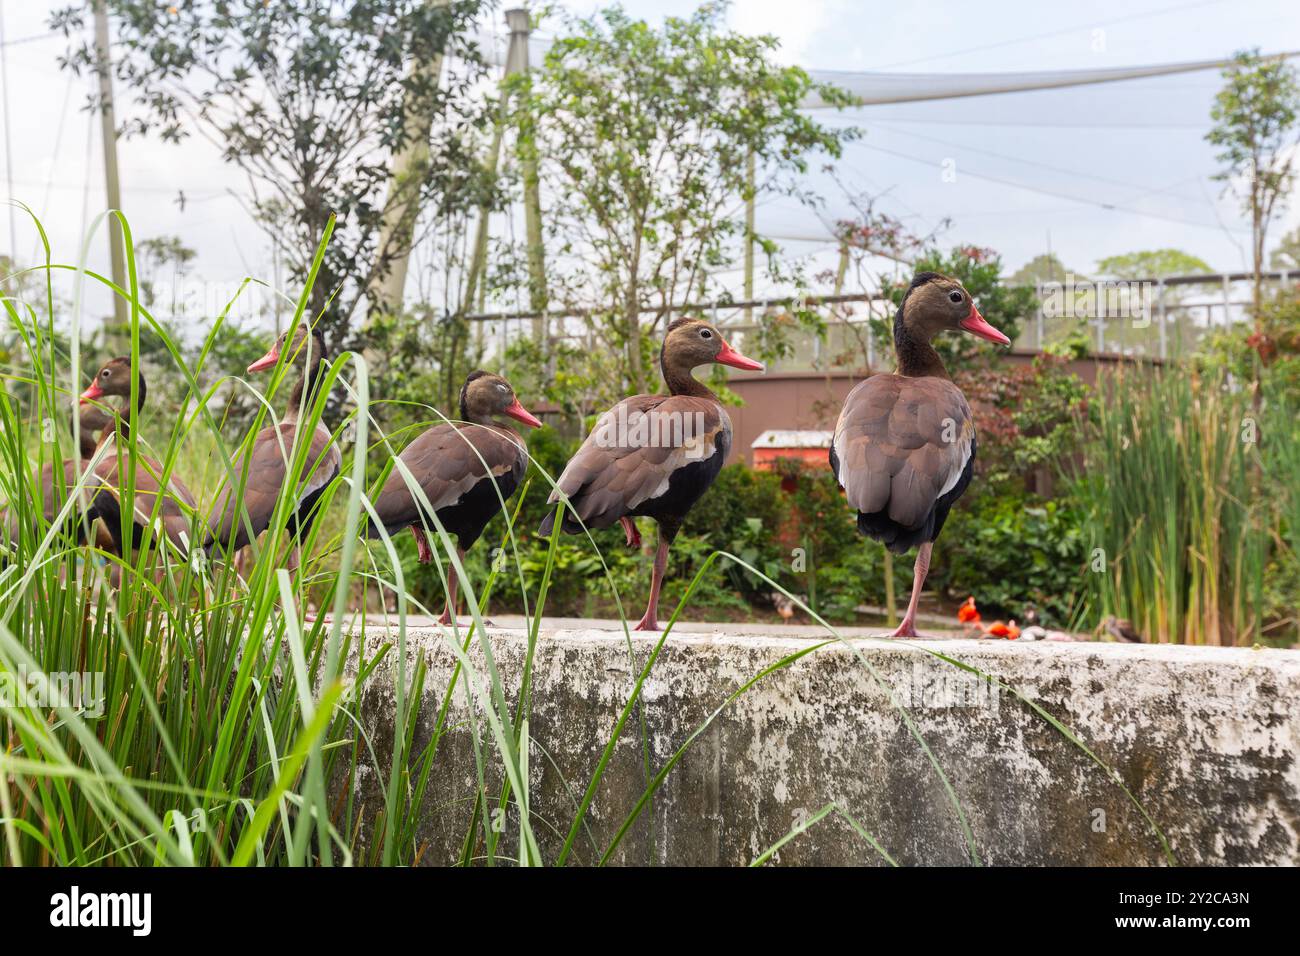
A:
{"points": [[269, 458], [904, 447], [653, 455], [464, 470], [173, 504]]}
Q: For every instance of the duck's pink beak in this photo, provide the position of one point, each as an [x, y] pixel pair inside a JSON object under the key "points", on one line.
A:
{"points": [[266, 361], [92, 392], [975, 325], [729, 356], [517, 411]]}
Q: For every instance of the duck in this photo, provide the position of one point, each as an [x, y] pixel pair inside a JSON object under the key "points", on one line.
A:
{"points": [[91, 420], [653, 456], [174, 506], [268, 459], [903, 449], [465, 469]]}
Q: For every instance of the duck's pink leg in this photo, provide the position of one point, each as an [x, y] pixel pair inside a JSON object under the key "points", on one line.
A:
{"points": [[453, 582], [422, 548], [650, 622], [908, 626], [631, 532]]}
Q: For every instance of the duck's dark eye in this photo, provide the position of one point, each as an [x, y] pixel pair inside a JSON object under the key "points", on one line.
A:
{"points": [[104, 374], [705, 334], [954, 296]]}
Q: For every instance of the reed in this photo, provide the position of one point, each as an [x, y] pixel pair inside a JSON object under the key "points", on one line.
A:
{"points": [[1185, 502]]}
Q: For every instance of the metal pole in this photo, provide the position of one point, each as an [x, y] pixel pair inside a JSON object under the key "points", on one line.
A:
{"points": [[1040, 321], [1164, 334], [750, 181], [112, 183], [1227, 301], [1098, 294]]}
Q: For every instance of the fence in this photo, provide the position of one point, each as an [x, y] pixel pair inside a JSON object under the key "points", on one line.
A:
{"points": [[1157, 318]]}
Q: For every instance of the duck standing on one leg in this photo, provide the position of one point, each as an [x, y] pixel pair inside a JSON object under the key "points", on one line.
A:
{"points": [[653, 455], [465, 471], [904, 446]]}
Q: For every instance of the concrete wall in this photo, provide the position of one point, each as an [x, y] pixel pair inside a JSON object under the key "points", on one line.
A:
{"points": [[1206, 739], [811, 400]]}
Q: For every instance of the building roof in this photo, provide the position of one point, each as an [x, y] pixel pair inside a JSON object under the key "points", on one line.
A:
{"points": [[791, 438]]}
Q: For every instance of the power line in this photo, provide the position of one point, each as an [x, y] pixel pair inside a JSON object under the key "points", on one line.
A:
{"points": [[31, 39]]}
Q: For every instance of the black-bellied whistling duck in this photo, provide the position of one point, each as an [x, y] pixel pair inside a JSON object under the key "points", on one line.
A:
{"points": [[457, 466], [269, 459], [173, 505], [92, 421], [653, 455], [904, 447]]}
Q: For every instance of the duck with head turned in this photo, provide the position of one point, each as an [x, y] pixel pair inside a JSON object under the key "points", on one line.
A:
{"points": [[236, 519], [904, 446], [653, 455], [173, 504], [466, 473]]}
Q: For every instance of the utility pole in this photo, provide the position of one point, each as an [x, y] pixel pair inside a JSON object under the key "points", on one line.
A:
{"points": [[113, 186], [520, 24]]}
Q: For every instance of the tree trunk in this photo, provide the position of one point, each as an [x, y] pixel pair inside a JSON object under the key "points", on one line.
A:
{"points": [[632, 328], [402, 206], [519, 21]]}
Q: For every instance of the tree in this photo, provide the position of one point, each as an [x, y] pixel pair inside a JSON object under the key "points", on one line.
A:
{"points": [[1255, 127], [1042, 268], [1152, 264], [311, 100], [642, 137], [1156, 264]]}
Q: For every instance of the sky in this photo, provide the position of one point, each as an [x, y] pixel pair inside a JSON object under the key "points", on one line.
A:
{"points": [[1086, 173]]}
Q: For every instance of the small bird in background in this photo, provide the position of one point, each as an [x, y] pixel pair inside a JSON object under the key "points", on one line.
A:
{"points": [[784, 605], [998, 629], [1122, 630], [968, 613]]}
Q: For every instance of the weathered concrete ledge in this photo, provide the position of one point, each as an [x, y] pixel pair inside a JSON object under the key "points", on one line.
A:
{"points": [[1205, 738]]}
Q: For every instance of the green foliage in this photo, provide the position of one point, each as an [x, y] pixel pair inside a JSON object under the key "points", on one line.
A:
{"points": [[1013, 551], [1255, 127], [1174, 484], [1152, 263], [1028, 417], [641, 136], [330, 77], [1042, 268]]}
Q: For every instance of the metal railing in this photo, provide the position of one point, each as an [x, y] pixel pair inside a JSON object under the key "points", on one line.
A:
{"points": [[1154, 317]]}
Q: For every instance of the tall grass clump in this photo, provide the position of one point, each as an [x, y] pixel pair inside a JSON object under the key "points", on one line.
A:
{"points": [[159, 707], [1186, 493]]}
